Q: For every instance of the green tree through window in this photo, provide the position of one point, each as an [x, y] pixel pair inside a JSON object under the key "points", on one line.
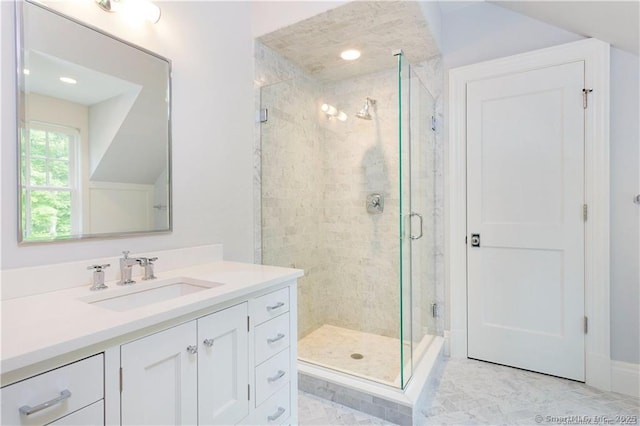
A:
{"points": [[48, 181]]}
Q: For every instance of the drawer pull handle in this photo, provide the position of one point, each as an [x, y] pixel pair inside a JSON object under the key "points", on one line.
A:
{"points": [[280, 336], [27, 410], [277, 377], [276, 306], [277, 414], [192, 349]]}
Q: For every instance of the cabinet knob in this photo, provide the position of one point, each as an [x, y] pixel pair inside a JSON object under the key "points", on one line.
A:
{"points": [[208, 342], [192, 349]]}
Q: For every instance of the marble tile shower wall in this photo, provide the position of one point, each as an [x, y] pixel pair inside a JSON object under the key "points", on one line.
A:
{"points": [[361, 158], [290, 167], [312, 177]]}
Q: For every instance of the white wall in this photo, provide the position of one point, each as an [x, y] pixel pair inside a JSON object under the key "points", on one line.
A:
{"points": [[483, 31], [119, 207], [268, 16], [625, 215], [211, 49]]}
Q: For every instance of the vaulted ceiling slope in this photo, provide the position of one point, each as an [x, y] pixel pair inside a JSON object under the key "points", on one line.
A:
{"points": [[616, 22]]}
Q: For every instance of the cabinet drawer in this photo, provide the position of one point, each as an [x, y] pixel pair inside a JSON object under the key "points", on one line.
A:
{"points": [[92, 415], [271, 337], [272, 375], [270, 305], [275, 410], [67, 388]]}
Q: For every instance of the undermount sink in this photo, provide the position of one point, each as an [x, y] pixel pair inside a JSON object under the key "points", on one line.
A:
{"points": [[148, 293]]}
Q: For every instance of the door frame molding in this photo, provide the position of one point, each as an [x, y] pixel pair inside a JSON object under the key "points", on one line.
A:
{"points": [[595, 54]]}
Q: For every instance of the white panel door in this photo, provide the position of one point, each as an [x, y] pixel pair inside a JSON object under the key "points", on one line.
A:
{"points": [[223, 367], [525, 196], [160, 378]]}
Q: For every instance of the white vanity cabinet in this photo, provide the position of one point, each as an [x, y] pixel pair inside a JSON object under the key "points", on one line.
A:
{"points": [[68, 395], [274, 358], [223, 367], [194, 373], [159, 378], [223, 355]]}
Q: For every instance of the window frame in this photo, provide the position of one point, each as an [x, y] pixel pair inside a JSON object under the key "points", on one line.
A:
{"points": [[74, 187]]}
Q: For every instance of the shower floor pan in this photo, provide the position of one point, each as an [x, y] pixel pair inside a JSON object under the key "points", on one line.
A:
{"points": [[330, 367], [365, 355]]}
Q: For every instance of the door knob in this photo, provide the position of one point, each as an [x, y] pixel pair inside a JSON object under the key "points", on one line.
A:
{"points": [[475, 240]]}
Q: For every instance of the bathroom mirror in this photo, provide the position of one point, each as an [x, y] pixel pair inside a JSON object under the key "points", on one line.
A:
{"points": [[94, 133]]}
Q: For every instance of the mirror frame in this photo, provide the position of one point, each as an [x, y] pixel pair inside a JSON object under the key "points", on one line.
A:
{"points": [[20, 111]]}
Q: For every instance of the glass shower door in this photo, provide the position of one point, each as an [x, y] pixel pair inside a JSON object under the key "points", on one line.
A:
{"points": [[405, 219], [416, 139]]}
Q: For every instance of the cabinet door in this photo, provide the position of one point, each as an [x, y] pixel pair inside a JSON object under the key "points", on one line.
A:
{"points": [[159, 378], [223, 366]]}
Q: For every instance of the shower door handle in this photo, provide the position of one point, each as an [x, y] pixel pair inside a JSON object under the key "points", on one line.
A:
{"points": [[416, 237]]}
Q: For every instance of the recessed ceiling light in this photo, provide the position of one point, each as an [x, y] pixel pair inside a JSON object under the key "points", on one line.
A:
{"points": [[68, 80], [350, 55]]}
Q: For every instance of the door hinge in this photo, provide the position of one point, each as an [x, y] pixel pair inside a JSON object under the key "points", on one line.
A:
{"points": [[434, 310], [585, 95], [433, 123], [120, 379], [248, 323], [586, 325], [585, 212], [249, 392], [263, 115]]}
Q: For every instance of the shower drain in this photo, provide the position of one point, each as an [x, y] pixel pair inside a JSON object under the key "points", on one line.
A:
{"points": [[357, 356]]}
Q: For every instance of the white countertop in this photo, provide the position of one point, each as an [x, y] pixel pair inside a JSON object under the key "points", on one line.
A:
{"points": [[39, 327]]}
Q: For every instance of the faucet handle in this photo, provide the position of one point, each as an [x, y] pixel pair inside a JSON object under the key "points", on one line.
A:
{"points": [[99, 268], [98, 276], [148, 268], [125, 253]]}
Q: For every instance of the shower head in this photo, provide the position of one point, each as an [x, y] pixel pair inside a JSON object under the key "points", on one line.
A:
{"points": [[364, 112]]}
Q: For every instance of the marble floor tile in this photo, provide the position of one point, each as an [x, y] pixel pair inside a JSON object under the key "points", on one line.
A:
{"points": [[478, 393]]}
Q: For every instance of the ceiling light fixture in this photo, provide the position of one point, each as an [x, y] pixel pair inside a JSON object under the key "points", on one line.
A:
{"points": [[68, 80], [350, 55], [332, 111], [329, 109], [136, 9]]}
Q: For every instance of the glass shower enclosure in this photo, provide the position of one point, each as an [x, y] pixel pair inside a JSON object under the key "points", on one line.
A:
{"points": [[347, 194]]}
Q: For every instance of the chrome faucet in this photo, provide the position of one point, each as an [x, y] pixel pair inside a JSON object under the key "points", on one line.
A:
{"points": [[147, 264], [98, 276], [126, 263]]}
